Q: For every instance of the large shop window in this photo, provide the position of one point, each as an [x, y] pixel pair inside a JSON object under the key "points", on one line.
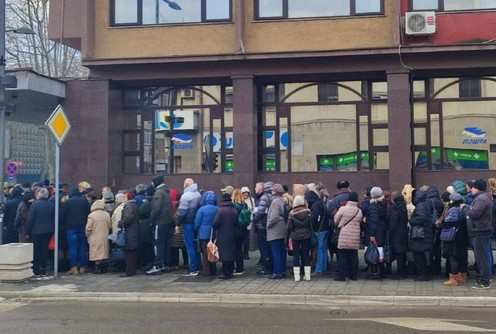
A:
{"points": [[145, 12], [201, 140], [455, 132], [452, 5], [313, 127], [284, 9]]}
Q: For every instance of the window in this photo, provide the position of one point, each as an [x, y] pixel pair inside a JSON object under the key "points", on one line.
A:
{"points": [[144, 12], [327, 92], [272, 9], [470, 88], [451, 5]]}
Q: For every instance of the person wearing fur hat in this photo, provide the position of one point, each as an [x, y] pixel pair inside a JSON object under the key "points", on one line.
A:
{"points": [[277, 231], [130, 222], [375, 229], [480, 229], [456, 249], [300, 231]]}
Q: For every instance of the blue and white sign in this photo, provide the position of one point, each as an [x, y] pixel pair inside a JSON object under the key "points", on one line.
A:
{"points": [[477, 136], [188, 115], [215, 141]]}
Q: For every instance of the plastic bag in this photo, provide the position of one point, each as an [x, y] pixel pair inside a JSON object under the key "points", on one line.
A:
{"points": [[371, 254], [212, 252]]}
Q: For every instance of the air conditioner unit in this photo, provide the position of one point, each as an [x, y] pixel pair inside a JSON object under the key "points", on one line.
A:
{"points": [[420, 23], [188, 93]]}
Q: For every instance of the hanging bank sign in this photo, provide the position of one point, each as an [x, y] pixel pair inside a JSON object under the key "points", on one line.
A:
{"points": [[477, 136]]}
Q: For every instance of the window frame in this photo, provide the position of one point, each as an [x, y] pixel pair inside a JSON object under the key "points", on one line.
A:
{"points": [[285, 12], [440, 7], [139, 18]]}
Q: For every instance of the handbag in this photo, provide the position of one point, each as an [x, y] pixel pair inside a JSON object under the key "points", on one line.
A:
{"points": [[212, 250], [448, 234], [371, 254], [417, 232], [335, 236], [120, 239]]}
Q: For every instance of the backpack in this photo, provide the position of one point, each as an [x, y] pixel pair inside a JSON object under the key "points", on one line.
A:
{"points": [[244, 217], [287, 210]]}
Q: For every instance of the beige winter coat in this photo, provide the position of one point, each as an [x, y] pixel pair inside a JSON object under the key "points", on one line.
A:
{"points": [[97, 231]]}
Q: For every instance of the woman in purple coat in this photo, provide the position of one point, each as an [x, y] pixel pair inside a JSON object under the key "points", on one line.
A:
{"points": [[225, 225]]}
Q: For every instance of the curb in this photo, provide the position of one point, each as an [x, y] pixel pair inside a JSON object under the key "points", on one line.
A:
{"points": [[259, 299]]}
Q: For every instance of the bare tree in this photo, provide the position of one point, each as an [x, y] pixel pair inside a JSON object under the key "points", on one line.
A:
{"points": [[37, 51]]}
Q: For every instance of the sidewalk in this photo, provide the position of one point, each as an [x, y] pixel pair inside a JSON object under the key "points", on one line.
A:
{"points": [[249, 288]]}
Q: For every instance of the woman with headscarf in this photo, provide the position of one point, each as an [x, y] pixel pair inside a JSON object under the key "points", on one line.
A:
{"points": [[97, 231], [225, 226], [130, 222]]}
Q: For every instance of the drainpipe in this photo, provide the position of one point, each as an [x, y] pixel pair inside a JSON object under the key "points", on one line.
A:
{"points": [[239, 22]]}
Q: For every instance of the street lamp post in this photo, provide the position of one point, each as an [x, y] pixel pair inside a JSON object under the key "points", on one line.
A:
{"points": [[5, 81]]}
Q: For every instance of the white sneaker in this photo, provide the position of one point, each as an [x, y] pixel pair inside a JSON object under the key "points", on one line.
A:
{"points": [[191, 274], [238, 273], [154, 271]]}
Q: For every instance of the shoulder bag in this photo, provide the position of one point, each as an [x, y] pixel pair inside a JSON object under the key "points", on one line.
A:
{"points": [[335, 237], [212, 250], [120, 240]]}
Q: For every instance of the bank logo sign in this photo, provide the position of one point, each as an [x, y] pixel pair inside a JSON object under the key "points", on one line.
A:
{"points": [[477, 136]]}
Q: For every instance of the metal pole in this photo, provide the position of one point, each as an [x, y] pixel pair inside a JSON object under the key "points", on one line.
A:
{"points": [[171, 142], [57, 201], [2, 111]]}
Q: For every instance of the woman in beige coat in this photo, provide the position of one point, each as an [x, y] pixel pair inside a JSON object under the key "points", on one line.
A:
{"points": [[97, 232]]}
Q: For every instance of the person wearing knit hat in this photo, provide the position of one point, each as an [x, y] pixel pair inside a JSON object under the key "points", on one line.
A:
{"points": [[161, 218], [455, 248], [250, 233], [300, 232], [375, 192], [157, 180], [480, 230], [459, 187], [277, 188]]}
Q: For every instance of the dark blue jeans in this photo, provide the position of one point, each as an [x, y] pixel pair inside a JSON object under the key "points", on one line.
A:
{"points": [[189, 242], [78, 247], [264, 248], [279, 255]]}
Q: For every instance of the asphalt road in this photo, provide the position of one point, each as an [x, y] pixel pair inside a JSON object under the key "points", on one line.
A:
{"points": [[85, 317]]}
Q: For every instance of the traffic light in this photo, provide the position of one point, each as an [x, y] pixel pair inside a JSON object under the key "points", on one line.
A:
{"points": [[215, 162]]}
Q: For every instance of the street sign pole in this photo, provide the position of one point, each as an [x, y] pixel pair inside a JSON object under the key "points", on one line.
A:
{"points": [[59, 126]]}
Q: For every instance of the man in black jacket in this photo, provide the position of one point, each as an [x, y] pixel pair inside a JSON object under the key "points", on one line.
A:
{"points": [[480, 229], [10, 233], [162, 222]]}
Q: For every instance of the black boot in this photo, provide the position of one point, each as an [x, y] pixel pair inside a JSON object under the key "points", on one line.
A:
{"points": [[97, 270]]}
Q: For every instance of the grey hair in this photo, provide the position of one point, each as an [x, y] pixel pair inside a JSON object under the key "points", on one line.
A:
{"points": [[43, 193], [140, 188]]}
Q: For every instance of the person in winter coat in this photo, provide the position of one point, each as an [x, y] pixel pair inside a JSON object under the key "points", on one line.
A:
{"points": [[41, 225], [130, 222], [97, 232], [22, 216], [73, 216], [407, 193], [189, 203], [10, 234], [320, 228], [300, 231], [145, 251], [224, 224], [398, 233], [239, 204], [456, 249], [262, 204], [348, 220], [203, 227], [250, 237], [277, 231], [376, 229], [480, 230], [120, 201], [426, 201], [161, 218]]}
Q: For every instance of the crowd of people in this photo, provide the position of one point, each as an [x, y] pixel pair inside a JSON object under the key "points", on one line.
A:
{"points": [[412, 229]]}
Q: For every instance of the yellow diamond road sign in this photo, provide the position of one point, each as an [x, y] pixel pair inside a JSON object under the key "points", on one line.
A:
{"points": [[59, 125]]}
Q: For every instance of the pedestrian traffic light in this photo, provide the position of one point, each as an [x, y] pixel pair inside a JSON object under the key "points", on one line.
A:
{"points": [[215, 162]]}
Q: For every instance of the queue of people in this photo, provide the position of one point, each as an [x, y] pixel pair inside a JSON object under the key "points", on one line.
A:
{"points": [[413, 229]]}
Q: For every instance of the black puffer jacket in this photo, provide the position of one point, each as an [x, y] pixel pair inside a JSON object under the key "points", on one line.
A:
{"points": [[425, 202], [398, 227], [376, 220], [316, 206]]}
